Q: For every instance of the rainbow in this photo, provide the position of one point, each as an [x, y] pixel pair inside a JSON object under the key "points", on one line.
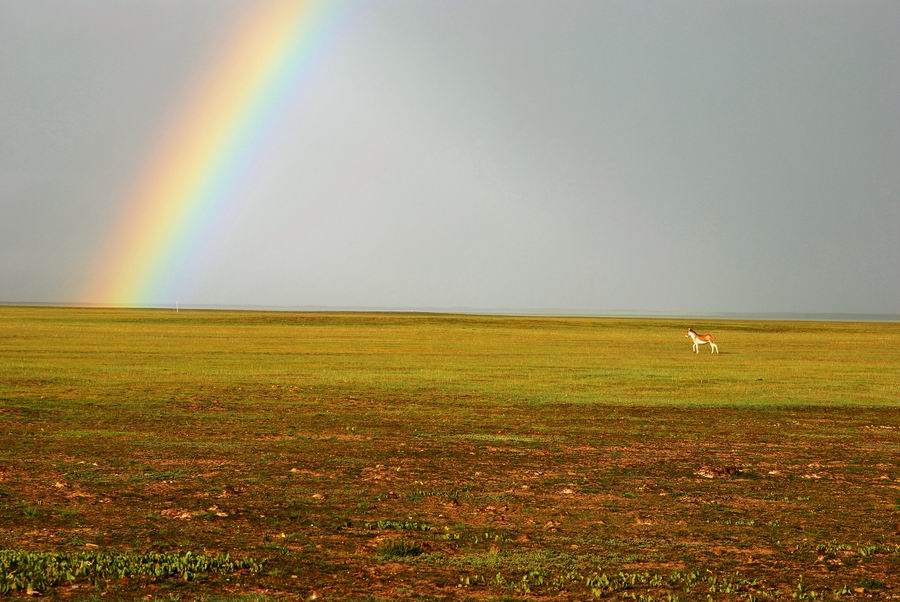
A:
{"points": [[215, 132]]}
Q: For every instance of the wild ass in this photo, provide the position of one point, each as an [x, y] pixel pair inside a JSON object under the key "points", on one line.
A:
{"points": [[702, 339]]}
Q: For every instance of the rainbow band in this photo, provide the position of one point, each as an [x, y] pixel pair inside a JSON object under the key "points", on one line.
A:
{"points": [[215, 132]]}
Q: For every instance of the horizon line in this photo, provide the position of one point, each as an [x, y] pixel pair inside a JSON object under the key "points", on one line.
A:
{"points": [[487, 311]]}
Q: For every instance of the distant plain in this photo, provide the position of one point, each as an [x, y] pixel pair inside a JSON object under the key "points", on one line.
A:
{"points": [[393, 456]]}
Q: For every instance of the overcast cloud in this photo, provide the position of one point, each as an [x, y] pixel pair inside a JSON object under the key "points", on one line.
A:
{"points": [[581, 156]]}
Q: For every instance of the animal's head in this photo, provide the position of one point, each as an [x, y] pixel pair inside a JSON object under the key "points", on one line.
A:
{"points": [[690, 332]]}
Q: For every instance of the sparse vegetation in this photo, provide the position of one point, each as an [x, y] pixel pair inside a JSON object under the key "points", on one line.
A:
{"points": [[35, 572], [393, 549], [398, 525]]}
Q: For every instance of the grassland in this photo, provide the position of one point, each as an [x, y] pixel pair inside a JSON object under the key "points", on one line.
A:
{"points": [[392, 456]]}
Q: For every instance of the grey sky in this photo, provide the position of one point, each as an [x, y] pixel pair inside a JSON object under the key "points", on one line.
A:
{"points": [[585, 156]]}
